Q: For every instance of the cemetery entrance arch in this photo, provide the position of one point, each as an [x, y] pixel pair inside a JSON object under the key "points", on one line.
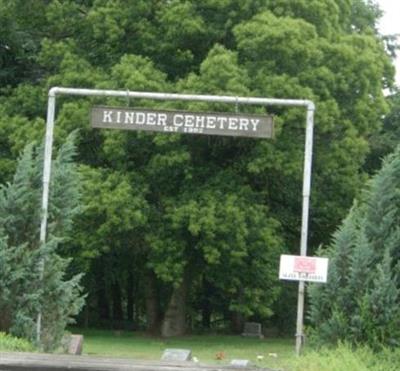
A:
{"points": [[307, 104]]}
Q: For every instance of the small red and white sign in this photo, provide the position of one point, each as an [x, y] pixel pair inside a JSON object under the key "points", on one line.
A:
{"points": [[303, 268]]}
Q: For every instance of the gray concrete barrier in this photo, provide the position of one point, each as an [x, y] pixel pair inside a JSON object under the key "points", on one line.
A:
{"points": [[51, 362]]}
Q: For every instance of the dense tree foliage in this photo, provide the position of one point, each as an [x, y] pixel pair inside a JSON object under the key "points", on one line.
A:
{"points": [[181, 230], [386, 139]]}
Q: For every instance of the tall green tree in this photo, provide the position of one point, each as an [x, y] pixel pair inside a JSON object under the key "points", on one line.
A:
{"points": [[23, 291], [360, 302]]}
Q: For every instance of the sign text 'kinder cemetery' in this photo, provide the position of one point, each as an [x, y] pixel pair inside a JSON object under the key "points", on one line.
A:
{"points": [[231, 124]]}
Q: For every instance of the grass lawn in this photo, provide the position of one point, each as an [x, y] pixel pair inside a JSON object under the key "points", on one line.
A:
{"points": [[207, 348]]}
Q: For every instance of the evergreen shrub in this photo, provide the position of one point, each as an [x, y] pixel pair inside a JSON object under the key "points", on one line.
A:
{"points": [[32, 275], [360, 303]]}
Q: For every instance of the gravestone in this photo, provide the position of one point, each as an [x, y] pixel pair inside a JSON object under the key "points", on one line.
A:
{"points": [[240, 363], [253, 329], [75, 345], [180, 355]]}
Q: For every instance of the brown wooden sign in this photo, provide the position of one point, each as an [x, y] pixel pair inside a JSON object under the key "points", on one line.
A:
{"points": [[232, 124]]}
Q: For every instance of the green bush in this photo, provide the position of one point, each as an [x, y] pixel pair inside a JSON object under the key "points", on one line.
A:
{"points": [[13, 344], [346, 357], [360, 303]]}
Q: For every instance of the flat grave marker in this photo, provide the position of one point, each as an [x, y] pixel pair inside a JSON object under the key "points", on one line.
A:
{"points": [[240, 363], [180, 355]]}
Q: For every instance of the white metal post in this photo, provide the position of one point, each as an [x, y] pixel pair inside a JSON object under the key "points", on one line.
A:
{"points": [[186, 97], [304, 221], [48, 148]]}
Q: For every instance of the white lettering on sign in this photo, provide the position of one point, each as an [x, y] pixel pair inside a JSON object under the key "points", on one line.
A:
{"points": [[107, 116], [222, 121], [118, 117], [243, 124], [183, 122], [178, 120], [162, 119], [129, 117], [211, 122], [303, 268], [171, 129], [151, 118], [140, 118], [254, 123], [189, 121], [232, 123], [200, 121]]}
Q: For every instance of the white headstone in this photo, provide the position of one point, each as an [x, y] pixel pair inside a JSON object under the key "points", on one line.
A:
{"points": [[240, 363], [180, 355]]}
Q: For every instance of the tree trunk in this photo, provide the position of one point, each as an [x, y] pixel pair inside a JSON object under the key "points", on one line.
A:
{"points": [[206, 315], [129, 297], [118, 314], [174, 323], [152, 304], [237, 322], [86, 314], [103, 304], [5, 320], [206, 308]]}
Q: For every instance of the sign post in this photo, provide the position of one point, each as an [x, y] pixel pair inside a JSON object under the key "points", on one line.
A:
{"points": [[310, 108], [302, 269]]}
